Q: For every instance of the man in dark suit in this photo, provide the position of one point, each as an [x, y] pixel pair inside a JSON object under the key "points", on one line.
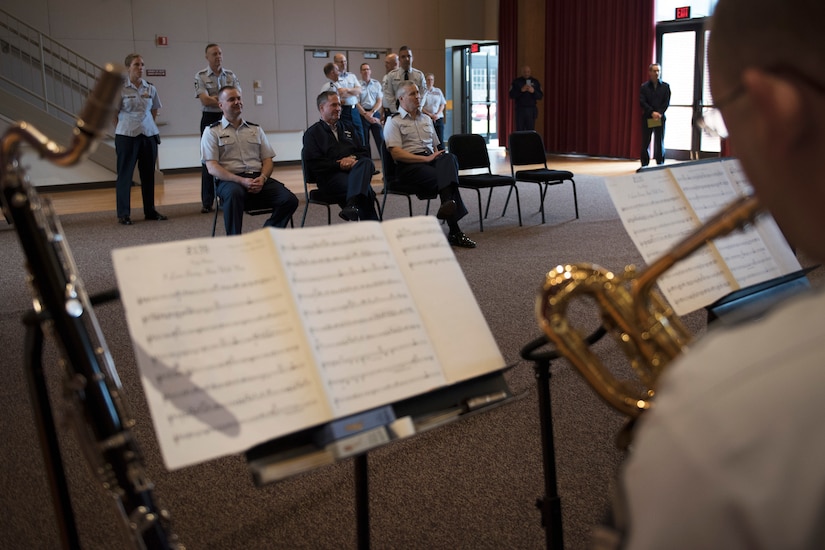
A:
{"points": [[525, 91], [654, 99], [340, 164]]}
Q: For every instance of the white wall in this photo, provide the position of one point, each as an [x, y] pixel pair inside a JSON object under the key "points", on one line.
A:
{"points": [[261, 40]]}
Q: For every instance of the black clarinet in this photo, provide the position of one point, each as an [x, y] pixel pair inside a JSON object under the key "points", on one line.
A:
{"points": [[62, 306]]}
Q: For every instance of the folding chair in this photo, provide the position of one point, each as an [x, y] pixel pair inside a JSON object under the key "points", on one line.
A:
{"points": [[527, 148], [316, 196], [393, 186], [471, 152]]}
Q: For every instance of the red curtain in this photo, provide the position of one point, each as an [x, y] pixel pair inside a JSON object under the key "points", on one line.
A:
{"points": [[597, 54], [507, 65]]}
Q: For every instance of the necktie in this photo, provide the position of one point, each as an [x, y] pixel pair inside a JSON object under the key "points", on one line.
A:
{"points": [[406, 75]]}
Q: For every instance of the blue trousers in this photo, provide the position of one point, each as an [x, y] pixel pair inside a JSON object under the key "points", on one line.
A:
{"points": [[273, 195]]}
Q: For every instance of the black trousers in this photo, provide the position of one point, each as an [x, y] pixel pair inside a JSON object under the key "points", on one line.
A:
{"points": [[207, 189], [353, 187], [658, 134], [141, 151], [437, 177]]}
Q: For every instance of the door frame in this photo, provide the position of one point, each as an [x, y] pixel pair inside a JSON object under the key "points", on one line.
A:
{"points": [[696, 25]]}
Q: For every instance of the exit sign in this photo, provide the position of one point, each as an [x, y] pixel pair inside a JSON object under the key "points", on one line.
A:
{"points": [[683, 13]]}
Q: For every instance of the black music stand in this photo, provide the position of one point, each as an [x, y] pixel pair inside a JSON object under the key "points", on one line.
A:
{"points": [[746, 303], [431, 410]]}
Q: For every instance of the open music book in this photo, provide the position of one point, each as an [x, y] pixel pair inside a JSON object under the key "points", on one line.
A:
{"points": [[243, 339], [662, 206]]}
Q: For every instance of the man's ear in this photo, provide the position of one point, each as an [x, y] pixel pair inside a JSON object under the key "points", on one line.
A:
{"points": [[779, 105]]}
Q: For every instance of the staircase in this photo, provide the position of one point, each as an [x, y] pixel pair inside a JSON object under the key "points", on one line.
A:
{"points": [[45, 84]]}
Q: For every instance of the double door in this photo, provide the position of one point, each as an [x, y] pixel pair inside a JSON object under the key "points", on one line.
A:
{"points": [[682, 53]]}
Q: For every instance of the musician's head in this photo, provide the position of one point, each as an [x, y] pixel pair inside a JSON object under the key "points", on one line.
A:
{"points": [[767, 72]]}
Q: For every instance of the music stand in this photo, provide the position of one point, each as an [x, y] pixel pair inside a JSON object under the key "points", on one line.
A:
{"points": [[427, 411]]}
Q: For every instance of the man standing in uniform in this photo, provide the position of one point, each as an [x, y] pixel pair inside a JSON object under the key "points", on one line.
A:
{"points": [[654, 99], [525, 91], [403, 73], [207, 83], [239, 155], [349, 90], [371, 100]]}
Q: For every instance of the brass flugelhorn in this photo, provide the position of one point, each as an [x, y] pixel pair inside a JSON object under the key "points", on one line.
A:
{"points": [[648, 331]]}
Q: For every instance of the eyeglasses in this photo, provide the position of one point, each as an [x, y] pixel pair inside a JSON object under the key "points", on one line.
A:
{"points": [[711, 121]]}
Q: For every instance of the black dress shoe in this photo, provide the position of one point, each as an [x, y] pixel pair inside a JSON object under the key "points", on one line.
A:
{"points": [[156, 216], [125, 220], [349, 213], [446, 210], [206, 210], [460, 239]]}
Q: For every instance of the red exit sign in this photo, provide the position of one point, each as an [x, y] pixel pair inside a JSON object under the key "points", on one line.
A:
{"points": [[683, 13]]}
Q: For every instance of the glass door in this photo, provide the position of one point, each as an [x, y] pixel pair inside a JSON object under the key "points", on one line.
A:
{"points": [[682, 47], [480, 96]]}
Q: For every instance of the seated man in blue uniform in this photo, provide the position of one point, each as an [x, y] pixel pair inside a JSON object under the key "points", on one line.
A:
{"points": [[413, 144], [239, 155], [338, 161]]}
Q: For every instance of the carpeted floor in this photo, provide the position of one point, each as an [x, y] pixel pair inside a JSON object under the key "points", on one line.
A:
{"points": [[470, 484]]}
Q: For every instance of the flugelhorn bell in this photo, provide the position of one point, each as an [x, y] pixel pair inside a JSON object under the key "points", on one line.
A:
{"points": [[648, 331]]}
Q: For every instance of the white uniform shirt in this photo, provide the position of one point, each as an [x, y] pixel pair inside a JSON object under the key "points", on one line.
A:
{"points": [[238, 151]]}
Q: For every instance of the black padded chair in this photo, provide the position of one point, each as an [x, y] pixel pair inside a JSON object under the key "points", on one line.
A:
{"points": [[471, 152], [316, 196], [527, 148], [393, 186], [249, 211]]}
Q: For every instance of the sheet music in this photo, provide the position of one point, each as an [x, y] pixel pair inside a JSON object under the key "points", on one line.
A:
{"points": [[661, 207], [247, 338], [709, 187], [460, 334], [364, 328], [220, 349]]}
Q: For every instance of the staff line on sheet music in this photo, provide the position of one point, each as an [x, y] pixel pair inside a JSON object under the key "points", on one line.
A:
{"points": [[272, 412], [370, 318], [325, 293], [177, 332], [382, 389], [206, 407], [188, 372], [209, 290], [353, 304], [189, 311], [372, 355], [341, 273]]}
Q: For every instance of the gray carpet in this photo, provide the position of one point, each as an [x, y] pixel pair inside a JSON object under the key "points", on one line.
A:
{"points": [[471, 484]]}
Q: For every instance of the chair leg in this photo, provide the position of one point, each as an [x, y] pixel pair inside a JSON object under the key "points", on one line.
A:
{"points": [[409, 204], [379, 210], [518, 205], [304, 217], [383, 204], [427, 211], [489, 198], [329, 215], [542, 194], [480, 221], [575, 199], [215, 219], [504, 210]]}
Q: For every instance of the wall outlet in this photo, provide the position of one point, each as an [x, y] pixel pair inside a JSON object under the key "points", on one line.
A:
{"points": [[259, 100]]}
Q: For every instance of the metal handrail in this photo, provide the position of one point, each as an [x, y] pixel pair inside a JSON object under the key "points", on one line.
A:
{"points": [[43, 72]]}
